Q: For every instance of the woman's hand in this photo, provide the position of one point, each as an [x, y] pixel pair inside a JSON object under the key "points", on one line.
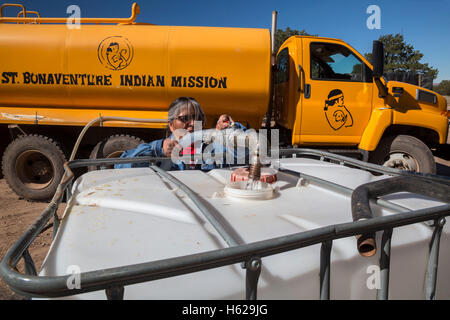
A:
{"points": [[168, 146], [224, 122]]}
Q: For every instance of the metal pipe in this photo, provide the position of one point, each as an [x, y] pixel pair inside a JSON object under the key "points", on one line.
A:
{"points": [[362, 164], [23, 13], [431, 276], [363, 193], [3, 6], [104, 119], [253, 271], [115, 293], [343, 190], [365, 243], [274, 31], [110, 161], [30, 267], [56, 223], [272, 71], [325, 255], [222, 227], [34, 230], [385, 260], [135, 10]]}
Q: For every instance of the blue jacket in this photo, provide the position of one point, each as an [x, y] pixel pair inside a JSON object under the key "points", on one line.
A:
{"points": [[155, 149]]}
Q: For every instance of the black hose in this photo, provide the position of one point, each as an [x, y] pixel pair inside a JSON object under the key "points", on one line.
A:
{"points": [[362, 194]]}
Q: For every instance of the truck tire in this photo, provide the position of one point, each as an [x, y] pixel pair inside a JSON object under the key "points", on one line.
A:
{"points": [[33, 167], [404, 152], [113, 147]]}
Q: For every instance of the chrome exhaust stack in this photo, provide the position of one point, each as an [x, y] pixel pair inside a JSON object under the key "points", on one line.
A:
{"points": [[273, 34]]}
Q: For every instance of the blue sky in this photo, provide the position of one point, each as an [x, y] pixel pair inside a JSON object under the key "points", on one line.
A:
{"points": [[424, 24]]}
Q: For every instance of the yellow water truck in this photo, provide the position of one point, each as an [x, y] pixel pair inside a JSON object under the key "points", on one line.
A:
{"points": [[55, 78]]}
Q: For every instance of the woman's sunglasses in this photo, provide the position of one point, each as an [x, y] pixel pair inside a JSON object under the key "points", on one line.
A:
{"points": [[189, 117]]}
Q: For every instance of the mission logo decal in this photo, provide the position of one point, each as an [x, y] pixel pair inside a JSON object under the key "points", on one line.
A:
{"points": [[115, 53], [336, 113]]}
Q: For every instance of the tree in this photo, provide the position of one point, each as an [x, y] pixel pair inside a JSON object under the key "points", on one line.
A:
{"points": [[443, 88], [400, 56], [282, 35]]}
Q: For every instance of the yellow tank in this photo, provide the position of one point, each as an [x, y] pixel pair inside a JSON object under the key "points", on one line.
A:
{"points": [[52, 74]]}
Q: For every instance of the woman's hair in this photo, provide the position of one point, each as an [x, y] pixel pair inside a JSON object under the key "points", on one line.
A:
{"points": [[177, 105]]}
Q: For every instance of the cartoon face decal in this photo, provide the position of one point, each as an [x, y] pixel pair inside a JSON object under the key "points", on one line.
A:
{"points": [[336, 113], [115, 53]]}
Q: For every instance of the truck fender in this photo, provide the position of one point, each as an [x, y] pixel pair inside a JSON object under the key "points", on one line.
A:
{"points": [[380, 120]]}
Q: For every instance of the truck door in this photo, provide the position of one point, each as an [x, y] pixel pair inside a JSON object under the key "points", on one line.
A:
{"points": [[287, 110], [281, 83], [337, 95]]}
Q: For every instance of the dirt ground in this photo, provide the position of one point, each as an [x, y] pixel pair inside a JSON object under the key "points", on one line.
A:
{"points": [[16, 215]]}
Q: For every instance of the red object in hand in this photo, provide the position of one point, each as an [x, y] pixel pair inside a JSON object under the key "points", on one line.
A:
{"points": [[188, 150]]}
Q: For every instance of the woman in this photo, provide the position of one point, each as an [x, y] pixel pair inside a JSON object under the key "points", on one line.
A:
{"points": [[182, 115]]}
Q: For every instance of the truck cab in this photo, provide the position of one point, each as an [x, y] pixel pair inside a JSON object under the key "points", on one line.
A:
{"points": [[326, 95]]}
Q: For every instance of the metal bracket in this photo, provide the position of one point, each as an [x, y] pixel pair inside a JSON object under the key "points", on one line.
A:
{"points": [[11, 128], [253, 270], [432, 269], [365, 155], [115, 293], [302, 182], [30, 268]]}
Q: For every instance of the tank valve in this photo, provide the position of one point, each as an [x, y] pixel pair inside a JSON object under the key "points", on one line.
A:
{"points": [[253, 188], [254, 170]]}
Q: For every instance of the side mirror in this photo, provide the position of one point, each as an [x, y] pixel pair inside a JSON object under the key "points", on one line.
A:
{"points": [[378, 67], [378, 59]]}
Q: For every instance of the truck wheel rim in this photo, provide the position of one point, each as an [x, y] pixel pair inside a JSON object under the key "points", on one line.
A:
{"points": [[402, 161], [115, 154], [34, 169]]}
